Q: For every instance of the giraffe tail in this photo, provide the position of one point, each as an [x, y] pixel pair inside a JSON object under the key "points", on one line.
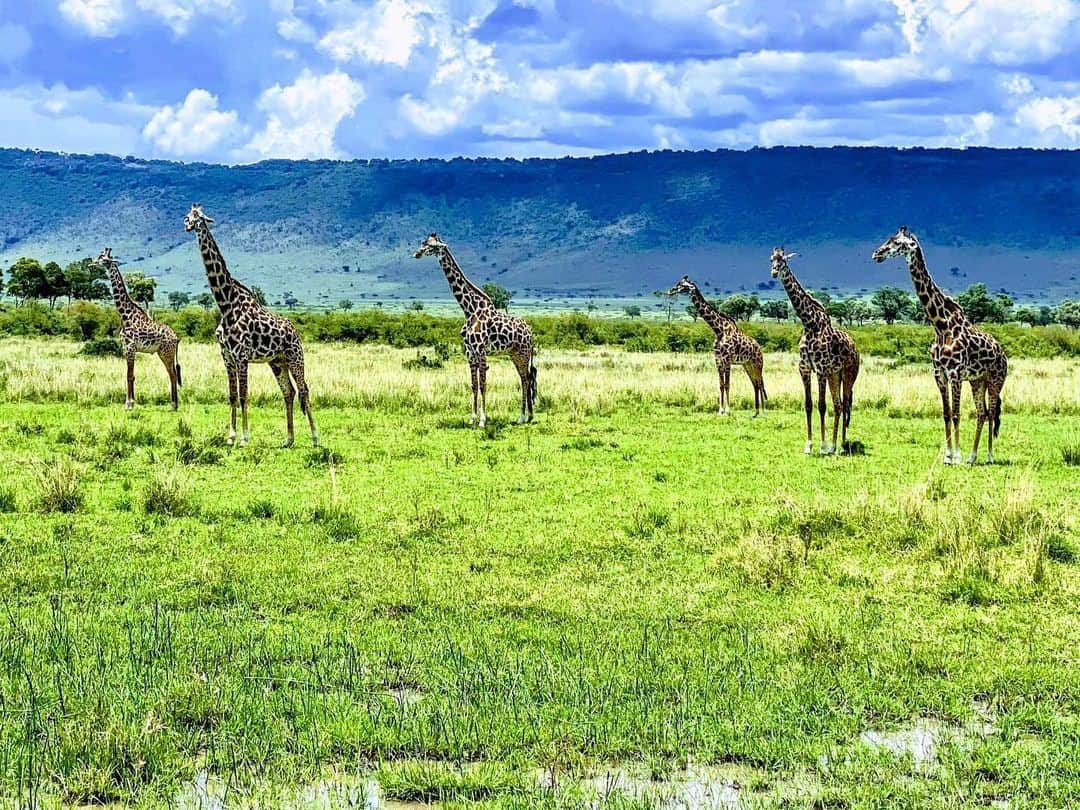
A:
{"points": [[997, 416], [176, 362], [532, 385]]}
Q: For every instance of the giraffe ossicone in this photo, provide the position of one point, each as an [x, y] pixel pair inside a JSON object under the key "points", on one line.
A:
{"points": [[250, 333], [486, 330], [731, 346], [960, 351], [140, 333]]}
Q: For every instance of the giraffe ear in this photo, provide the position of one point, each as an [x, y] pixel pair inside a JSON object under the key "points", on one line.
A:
{"points": [[791, 255]]}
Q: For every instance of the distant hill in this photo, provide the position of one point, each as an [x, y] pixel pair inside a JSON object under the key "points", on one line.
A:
{"points": [[614, 226]]}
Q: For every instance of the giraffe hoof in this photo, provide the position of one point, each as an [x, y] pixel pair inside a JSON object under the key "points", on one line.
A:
{"points": [[809, 449], [230, 440], [287, 443], [989, 459]]}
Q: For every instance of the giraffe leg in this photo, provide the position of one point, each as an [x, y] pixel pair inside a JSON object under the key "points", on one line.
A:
{"points": [[994, 414], [956, 407], [822, 383], [168, 359], [242, 392], [753, 371], [481, 374], [834, 389], [288, 393], [230, 371], [727, 389], [804, 372], [130, 402], [474, 379], [294, 363], [978, 393], [522, 363], [943, 387], [719, 386]]}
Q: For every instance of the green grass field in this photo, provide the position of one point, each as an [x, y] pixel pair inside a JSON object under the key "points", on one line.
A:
{"points": [[631, 602]]}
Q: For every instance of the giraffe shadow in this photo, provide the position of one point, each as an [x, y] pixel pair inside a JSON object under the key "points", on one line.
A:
{"points": [[853, 448]]}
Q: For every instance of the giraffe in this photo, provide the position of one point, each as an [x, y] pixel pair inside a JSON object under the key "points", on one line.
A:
{"points": [[960, 351], [731, 346], [250, 333], [486, 329], [141, 333], [823, 350]]}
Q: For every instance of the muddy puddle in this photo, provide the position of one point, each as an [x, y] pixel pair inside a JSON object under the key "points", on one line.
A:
{"points": [[210, 792]]}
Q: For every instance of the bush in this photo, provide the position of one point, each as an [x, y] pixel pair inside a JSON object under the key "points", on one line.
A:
{"points": [[104, 347]]}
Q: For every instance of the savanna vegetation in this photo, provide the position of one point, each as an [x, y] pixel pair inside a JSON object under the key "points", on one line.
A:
{"points": [[631, 600]]}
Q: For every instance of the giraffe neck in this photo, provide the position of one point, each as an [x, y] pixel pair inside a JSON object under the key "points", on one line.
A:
{"points": [[810, 311], [124, 305], [934, 301], [720, 323], [217, 274], [471, 298]]}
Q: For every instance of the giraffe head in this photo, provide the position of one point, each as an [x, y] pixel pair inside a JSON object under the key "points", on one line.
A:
{"points": [[902, 243], [683, 286], [432, 246], [196, 217], [779, 261], [106, 259]]}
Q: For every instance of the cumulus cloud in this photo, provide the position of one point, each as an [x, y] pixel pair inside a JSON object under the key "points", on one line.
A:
{"points": [[303, 117], [196, 127], [179, 14], [1002, 32], [1053, 119], [520, 77], [387, 32], [100, 18]]}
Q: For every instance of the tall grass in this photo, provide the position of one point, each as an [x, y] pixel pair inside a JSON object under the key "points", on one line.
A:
{"points": [[586, 383]]}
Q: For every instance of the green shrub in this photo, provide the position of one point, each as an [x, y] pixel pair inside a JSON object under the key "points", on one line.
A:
{"points": [[103, 347]]}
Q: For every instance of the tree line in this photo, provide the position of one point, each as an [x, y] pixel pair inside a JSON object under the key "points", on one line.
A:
{"points": [[84, 280], [894, 305]]}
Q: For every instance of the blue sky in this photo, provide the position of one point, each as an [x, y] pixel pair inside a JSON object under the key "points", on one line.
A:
{"points": [[237, 81]]}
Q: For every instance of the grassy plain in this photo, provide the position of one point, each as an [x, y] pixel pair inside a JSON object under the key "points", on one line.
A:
{"points": [[630, 584]]}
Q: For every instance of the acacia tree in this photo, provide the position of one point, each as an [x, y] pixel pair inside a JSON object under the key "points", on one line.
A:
{"points": [[891, 304], [86, 280], [776, 308], [499, 295], [27, 280], [141, 288], [740, 307]]}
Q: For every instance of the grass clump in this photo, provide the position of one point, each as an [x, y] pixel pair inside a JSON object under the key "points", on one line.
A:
{"points": [[1071, 455], [167, 494], [189, 451], [60, 487], [322, 457], [9, 501], [338, 522]]}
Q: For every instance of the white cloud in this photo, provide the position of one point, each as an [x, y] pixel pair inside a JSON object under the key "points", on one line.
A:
{"points": [[196, 127], [179, 14], [303, 117], [100, 18], [59, 118], [428, 118], [1002, 32], [386, 32], [1056, 120]]}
